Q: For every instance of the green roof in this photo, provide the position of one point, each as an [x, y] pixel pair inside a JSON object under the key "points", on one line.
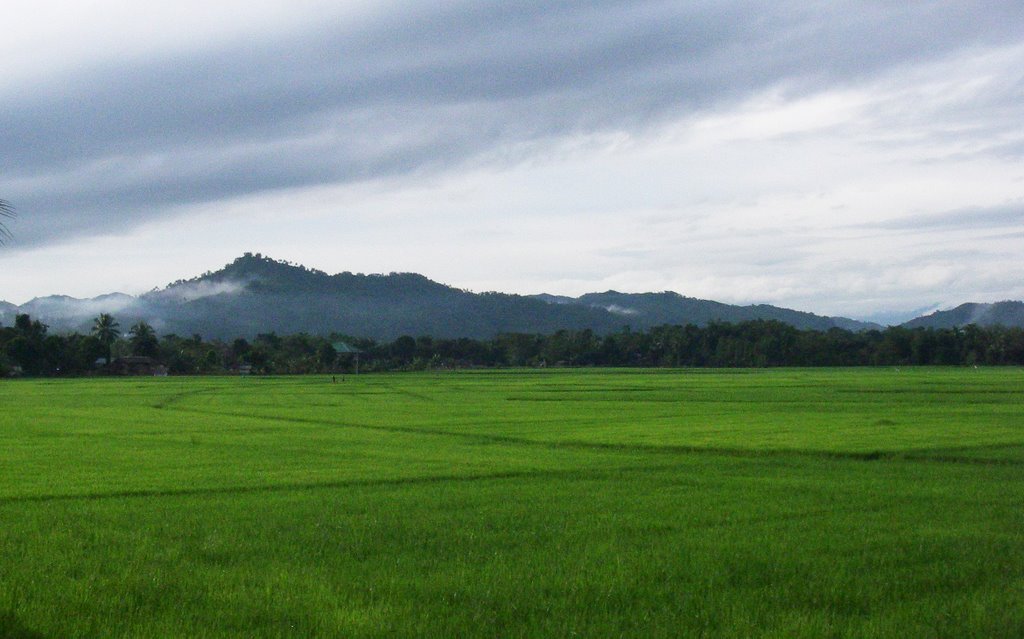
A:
{"points": [[342, 347]]}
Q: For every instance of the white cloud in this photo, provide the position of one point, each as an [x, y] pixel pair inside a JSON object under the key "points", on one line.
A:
{"points": [[798, 176], [62, 37]]}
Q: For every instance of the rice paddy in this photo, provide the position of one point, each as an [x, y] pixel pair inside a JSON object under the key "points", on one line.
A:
{"points": [[749, 503]]}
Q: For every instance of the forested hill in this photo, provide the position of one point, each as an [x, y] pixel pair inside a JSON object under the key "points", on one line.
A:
{"points": [[8, 312], [656, 309], [256, 294], [997, 314]]}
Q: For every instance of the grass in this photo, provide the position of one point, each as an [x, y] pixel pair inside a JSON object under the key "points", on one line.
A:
{"points": [[853, 503]]}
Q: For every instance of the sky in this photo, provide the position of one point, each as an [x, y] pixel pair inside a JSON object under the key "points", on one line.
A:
{"points": [[862, 158]]}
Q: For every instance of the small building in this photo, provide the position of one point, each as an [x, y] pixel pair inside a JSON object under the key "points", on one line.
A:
{"points": [[136, 365], [342, 348]]}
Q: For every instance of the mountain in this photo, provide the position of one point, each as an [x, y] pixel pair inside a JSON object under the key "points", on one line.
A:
{"points": [[61, 308], [653, 309], [1006, 313], [7, 312], [256, 294]]}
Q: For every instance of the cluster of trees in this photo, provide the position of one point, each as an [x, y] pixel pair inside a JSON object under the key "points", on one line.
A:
{"points": [[757, 343], [29, 349]]}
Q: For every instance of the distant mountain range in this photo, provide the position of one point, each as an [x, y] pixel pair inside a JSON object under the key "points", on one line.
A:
{"points": [[1000, 313], [257, 294]]}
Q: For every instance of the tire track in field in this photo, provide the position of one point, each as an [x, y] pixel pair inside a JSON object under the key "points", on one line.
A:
{"points": [[910, 455], [401, 391], [574, 473], [591, 474], [174, 398]]}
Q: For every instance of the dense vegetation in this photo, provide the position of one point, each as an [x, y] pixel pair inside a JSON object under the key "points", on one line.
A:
{"points": [[593, 503], [34, 351]]}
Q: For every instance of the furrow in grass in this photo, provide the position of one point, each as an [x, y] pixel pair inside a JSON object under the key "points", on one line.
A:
{"points": [[959, 459], [346, 483], [918, 455], [177, 397], [401, 391]]}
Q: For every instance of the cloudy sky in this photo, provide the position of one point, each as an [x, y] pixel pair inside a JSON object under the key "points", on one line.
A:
{"points": [[855, 158]]}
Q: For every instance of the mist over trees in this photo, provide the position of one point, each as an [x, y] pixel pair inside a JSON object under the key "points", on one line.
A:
{"points": [[28, 348]]}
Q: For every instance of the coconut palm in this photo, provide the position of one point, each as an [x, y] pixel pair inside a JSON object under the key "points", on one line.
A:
{"points": [[6, 211], [143, 340], [104, 328]]}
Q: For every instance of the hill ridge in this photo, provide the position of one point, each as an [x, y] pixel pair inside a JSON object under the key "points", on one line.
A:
{"points": [[258, 294], [1005, 313]]}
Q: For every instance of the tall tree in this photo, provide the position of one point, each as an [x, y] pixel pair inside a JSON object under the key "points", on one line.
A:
{"points": [[6, 211], [104, 328], [27, 348], [143, 340]]}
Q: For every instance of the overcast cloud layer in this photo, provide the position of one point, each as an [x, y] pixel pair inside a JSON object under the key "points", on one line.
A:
{"points": [[859, 158]]}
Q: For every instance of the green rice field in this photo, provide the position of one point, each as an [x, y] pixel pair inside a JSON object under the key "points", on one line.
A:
{"points": [[571, 503]]}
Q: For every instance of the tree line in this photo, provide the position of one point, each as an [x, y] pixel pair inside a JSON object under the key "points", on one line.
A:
{"points": [[28, 348]]}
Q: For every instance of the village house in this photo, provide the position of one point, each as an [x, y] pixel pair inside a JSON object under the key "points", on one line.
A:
{"points": [[136, 365]]}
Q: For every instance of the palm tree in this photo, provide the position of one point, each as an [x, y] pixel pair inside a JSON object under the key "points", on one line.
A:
{"points": [[104, 328], [143, 340], [6, 211]]}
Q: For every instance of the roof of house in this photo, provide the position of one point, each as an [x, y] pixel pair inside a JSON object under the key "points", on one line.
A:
{"points": [[342, 347], [135, 359]]}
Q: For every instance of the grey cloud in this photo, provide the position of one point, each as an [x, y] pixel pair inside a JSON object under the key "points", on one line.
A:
{"points": [[1005, 215], [422, 88]]}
